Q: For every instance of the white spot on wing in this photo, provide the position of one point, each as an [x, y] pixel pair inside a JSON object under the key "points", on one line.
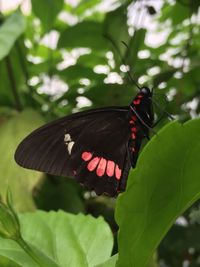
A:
{"points": [[70, 145], [67, 138]]}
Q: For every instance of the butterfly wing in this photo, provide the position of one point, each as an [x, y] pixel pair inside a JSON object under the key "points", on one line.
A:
{"points": [[90, 146]]}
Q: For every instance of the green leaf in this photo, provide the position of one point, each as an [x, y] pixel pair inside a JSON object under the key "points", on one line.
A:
{"points": [[84, 34], [66, 239], [109, 263], [177, 12], [20, 181], [10, 31], [5, 262], [47, 11], [164, 184], [84, 5]]}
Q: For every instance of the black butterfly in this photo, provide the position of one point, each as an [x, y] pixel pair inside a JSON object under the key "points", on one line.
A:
{"points": [[96, 147]]}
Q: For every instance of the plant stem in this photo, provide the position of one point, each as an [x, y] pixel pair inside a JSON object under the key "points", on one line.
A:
{"points": [[13, 83], [23, 66], [29, 251], [37, 255]]}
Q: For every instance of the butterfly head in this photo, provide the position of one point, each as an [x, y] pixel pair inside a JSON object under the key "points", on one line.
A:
{"points": [[146, 92]]}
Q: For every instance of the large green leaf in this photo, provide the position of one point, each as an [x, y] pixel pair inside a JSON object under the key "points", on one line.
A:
{"points": [[65, 239], [164, 184], [47, 11], [10, 31], [21, 181]]}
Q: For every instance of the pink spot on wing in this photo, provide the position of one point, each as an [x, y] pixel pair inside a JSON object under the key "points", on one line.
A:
{"points": [[140, 96], [110, 168], [93, 163], [136, 102], [101, 167], [86, 156], [134, 117], [134, 129], [133, 135], [118, 172]]}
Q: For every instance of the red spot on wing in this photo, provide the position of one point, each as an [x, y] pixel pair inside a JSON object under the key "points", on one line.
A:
{"points": [[133, 135], [140, 96], [118, 172], [86, 156], [136, 101], [110, 168], [101, 167], [134, 117], [134, 129], [93, 163]]}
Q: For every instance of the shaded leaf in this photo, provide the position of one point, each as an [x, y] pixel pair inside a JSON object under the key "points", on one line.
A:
{"points": [[21, 181], [59, 193], [163, 185]]}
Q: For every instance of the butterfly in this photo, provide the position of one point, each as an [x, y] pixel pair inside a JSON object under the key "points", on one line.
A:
{"points": [[97, 147]]}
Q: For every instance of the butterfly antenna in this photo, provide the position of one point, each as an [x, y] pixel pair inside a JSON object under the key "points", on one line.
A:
{"points": [[122, 60]]}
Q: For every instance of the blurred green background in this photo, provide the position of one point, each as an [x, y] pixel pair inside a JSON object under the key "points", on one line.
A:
{"points": [[55, 60]]}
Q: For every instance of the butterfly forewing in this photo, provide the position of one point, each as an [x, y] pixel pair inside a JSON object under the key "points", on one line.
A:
{"points": [[58, 148]]}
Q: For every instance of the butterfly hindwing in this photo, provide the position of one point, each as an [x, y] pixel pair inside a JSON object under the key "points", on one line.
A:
{"points": [[57, 148]]}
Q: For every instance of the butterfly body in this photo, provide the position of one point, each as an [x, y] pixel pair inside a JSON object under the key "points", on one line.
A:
{"points": [[96, 147]]}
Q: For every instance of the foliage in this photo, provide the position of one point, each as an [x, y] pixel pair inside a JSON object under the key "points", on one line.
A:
{"points": [[166, 195], [58, 59], [64, 239]]}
